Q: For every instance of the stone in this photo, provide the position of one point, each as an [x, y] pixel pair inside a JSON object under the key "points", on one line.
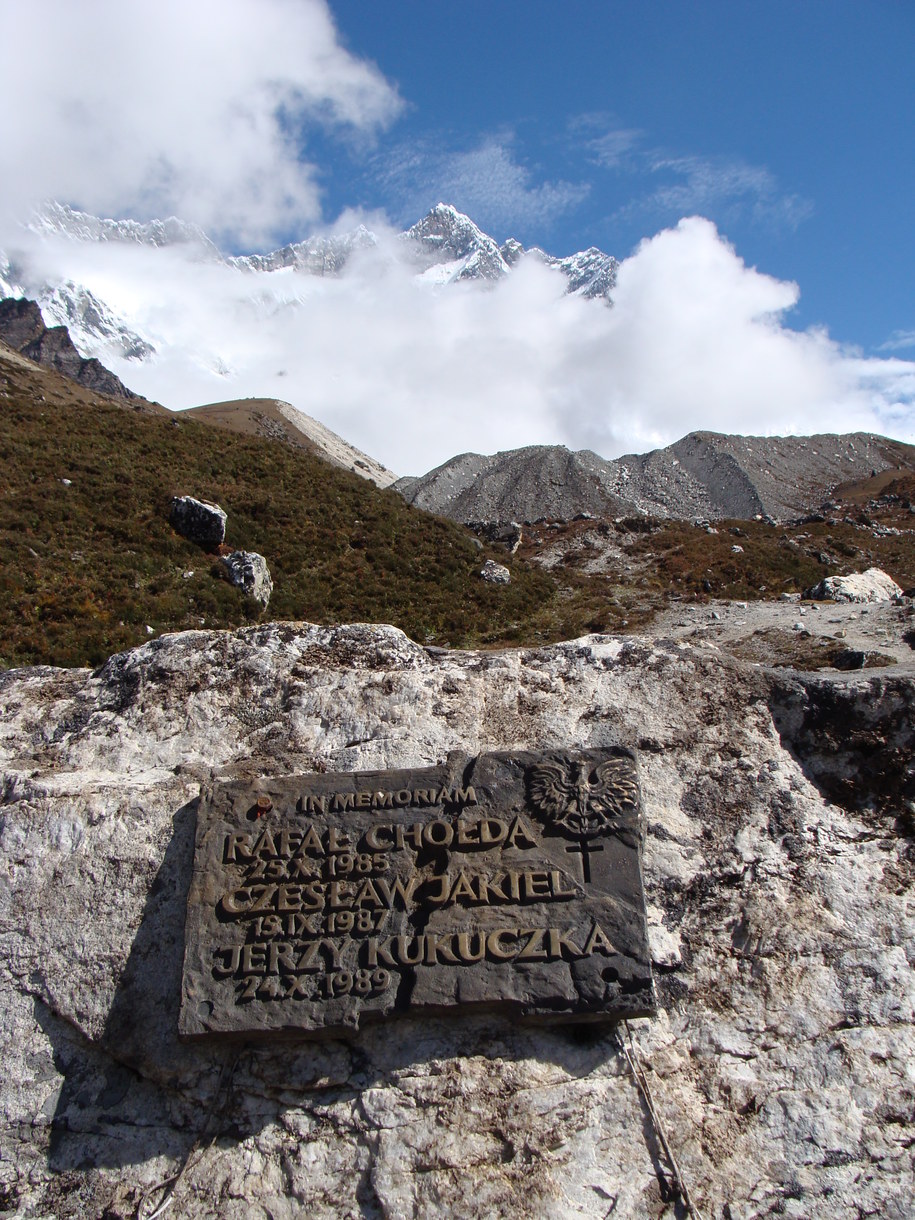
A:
{"points": [[198, 521], [778, 872], [870, 586], [507, 882], [495, 573], [248, 571], [505, 533]]}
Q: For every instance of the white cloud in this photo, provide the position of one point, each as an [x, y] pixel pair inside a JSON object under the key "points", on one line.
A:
{"points": [[726, 188], [486, 182], [414, 374], [899, 341], [606, 142], [159, 106], [698, 340]]}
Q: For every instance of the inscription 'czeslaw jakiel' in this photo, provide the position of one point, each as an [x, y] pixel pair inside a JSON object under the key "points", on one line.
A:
{"points": [[322, 900]]}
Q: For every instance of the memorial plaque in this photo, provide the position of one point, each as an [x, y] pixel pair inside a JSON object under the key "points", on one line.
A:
{"points": [[505, 882]]}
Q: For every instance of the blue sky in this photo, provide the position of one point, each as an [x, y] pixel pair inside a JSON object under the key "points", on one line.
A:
{"points": [[791, 125]]}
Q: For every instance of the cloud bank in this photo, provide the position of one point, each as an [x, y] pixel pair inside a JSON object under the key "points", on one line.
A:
{"points": [[414, 373], [158, 107]]}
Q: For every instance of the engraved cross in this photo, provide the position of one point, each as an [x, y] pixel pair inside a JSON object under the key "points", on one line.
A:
{"points": [[585, 848]]}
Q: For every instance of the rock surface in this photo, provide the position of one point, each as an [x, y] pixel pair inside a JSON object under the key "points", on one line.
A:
{"points": [[870, 586], [248, 571], [22, 328], [778, 873], [198, 521]]}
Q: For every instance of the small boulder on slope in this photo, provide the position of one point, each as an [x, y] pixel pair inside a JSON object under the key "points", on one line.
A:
{"points": [[870, 586], [495, 573], [198, 521], [248, 571]]}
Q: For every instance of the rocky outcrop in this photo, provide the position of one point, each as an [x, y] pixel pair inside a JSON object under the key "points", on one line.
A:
{"points": [[22, 328], [507, 533], [248, 571], [704, 475], [198, 521], [778, 872], [870, 586]]}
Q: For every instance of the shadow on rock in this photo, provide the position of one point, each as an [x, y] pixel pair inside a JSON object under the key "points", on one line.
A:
{"points": [[137, 1092], [853, 740]]}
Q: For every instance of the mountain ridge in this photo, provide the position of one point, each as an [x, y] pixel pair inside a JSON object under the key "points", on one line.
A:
{"points": [[445, 246], [703, 475], [281, 421], [23, 329]]}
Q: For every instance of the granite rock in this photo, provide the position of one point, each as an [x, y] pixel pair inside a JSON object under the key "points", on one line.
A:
{"points": [[248, 571], [778, 871], [495, 573], [870, 586]]}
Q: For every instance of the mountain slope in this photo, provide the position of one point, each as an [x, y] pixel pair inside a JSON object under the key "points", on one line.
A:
{"points": [[269, 417], [705, 474], [22, 328], [91, 565]]}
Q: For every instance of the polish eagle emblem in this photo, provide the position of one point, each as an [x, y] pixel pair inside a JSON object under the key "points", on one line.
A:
{"points": [[582, 800]]}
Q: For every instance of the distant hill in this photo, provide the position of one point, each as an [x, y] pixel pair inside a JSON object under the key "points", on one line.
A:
{"points": [[704, 475], [91, 565], [23, 331], [270, 417]]}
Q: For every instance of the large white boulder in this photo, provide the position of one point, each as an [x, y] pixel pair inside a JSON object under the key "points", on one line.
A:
{"points": [[495, 573], [871, 586]]}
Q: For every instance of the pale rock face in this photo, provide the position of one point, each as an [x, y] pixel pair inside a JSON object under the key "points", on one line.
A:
{"points": [[248, 571], [870, 586], [778, 875]]}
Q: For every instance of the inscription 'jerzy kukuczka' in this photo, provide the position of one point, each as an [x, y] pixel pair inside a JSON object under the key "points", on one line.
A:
{"points": [[506, 881]]}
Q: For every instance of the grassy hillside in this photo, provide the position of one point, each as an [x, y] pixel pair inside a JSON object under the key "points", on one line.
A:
{"points": [[90, 563]]}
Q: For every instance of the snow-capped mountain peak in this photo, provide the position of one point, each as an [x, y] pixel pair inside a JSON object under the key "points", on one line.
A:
{"points": [[314, 255], [55, 219], [446, 237], [442, 248]]}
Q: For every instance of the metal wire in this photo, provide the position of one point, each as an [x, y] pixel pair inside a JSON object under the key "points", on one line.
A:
{"points": [[641, 1081]]}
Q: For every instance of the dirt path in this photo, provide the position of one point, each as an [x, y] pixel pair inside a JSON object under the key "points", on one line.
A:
{"points": [[803, 634]]}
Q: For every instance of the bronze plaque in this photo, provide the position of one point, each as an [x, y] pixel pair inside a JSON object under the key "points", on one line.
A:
{"points": [[507, 881]]}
